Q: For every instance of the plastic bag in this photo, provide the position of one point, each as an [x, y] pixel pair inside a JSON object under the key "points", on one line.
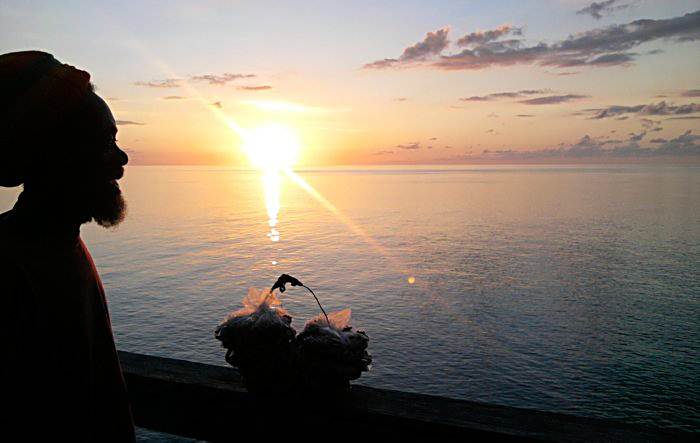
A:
{"points": [[257, 339], [330, 353], [261, 343]]}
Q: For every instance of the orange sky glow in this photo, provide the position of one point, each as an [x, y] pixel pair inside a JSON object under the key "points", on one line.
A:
{"points": [[455, 83]]}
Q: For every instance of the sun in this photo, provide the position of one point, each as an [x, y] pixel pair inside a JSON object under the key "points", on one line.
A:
{"points": [[272, 147]]}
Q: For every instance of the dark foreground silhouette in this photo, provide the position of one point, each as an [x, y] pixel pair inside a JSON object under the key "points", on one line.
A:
{"points": [[61, 378]]}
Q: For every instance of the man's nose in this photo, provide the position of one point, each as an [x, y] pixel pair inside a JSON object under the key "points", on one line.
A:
{"points": [[121, 156]]}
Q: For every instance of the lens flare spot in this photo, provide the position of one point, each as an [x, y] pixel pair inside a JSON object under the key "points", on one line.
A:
{"points": [[411, 280]]}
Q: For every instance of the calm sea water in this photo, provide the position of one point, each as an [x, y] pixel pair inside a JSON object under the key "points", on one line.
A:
{"points": [[571, 289]]}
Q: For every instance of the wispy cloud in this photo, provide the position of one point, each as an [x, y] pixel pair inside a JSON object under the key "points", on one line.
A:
{"points": [[691, 93], [499, 95], [598, 9], [174, 97], [212, 79], [648, 123], [483, 37], [589, 147], [255, 88], [660, 108], [217, 105], [607, 46], [220, 79], [553, 99], [564, 73], [433, 44], [684, 118], [128, 123], [637, 137], [409, 146], [165, 83]]}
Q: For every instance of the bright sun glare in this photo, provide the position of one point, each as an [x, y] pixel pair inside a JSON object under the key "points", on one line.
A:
{"points": [[272, 147]]}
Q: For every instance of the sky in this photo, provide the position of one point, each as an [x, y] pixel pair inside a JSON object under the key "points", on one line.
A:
{"points": [[385, 82]]}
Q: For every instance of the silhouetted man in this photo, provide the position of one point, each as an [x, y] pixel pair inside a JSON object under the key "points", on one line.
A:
{"points": [[60, 372]]}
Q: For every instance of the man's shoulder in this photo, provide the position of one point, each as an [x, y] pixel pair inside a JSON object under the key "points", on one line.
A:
{"points": [[5, 222], [5, 216], [8, 236], [5, 225]]}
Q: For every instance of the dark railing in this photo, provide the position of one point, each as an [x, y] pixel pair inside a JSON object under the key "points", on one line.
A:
{"points": [[210, 403]]}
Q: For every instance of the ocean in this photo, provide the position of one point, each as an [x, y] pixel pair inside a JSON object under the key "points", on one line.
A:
{"points": [[573, 289]]}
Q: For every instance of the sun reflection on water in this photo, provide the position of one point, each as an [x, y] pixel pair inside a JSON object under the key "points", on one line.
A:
{"points": [[271, 185], [272, 148]]}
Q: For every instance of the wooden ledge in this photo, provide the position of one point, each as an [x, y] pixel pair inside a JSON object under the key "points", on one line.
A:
{"points": [[211, 403]]}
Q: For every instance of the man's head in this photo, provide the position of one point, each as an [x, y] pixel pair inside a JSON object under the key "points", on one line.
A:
{"points": [[58, 138]]}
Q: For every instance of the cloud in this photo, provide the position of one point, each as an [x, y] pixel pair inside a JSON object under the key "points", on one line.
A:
{"points": [[220, 79], [482, 37], [685, 143], [212, 79], [433, 44], [128, 123], [475, 98], [589, 147], [600, 47], [384, 152], [165, 83], [409, 146], [597, 9], [497, 95], [564, 73], [648, 123], [691, 93], [684, 118], [637, 137], [619, 58], [660, 108], [174, 97], [401, 99], [553, 99], [255, 88], [217, 105], [524, 115]]}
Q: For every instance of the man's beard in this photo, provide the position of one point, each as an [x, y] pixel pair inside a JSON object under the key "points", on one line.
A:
{"points": [[107, 207]]}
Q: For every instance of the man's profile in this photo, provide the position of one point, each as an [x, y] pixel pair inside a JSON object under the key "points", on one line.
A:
{"points": [[61, 377]]}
